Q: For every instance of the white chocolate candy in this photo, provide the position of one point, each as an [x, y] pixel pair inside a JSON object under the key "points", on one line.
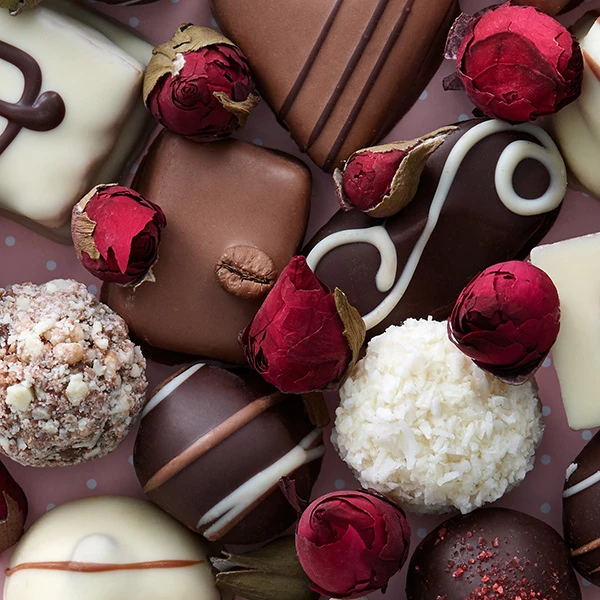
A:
{"points": [[163, 559], [44, 173], [573, 267]]}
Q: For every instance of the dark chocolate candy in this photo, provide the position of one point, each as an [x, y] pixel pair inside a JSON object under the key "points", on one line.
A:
{"points": [[215, 197], [210, 452], [339, 73], [475, 230], [581, 514], [489, 554]]}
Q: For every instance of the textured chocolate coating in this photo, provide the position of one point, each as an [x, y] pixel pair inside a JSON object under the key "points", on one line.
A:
{"points": [[474, 231], [214, 196], [199, 405], [581, 518], [339, 73], [489, 554]]}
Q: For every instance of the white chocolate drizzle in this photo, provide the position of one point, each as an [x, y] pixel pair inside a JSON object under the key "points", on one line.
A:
{"points": [[547, 153], [588, 482], [166, 390], [230, 508]]}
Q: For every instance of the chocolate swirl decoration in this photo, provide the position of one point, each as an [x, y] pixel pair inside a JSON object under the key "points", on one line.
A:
{"points": [[33, 111]]}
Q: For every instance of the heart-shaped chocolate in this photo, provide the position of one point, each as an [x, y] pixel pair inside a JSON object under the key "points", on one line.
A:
{"points": [[339, 73], [236, 214]]}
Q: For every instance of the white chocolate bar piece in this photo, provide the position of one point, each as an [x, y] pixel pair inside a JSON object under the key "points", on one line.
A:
{"points": [[573, 266], [44, 173]]}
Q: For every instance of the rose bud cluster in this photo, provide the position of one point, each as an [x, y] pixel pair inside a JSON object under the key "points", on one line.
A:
{"points": [[507, 320], [352, 543], [199, 85], [116, 233], [13, 510], [515, 63], [303, 338], [382, 180]]}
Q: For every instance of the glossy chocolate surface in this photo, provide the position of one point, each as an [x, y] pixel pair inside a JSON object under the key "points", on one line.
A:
{"points": [[581, 511], [215, 196], [489, 554], [474, 231], [339, 73], [208, 398]]}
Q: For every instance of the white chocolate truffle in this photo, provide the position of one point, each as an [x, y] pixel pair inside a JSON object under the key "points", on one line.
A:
{"points": [[164, 560]]}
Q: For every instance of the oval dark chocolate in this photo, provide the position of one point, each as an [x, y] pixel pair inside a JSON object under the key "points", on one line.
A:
{"points": [[212, 447], [489, 554]]}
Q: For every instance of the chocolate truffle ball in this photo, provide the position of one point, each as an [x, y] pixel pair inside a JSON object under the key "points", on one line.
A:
{"points": [[489, 554], [581, 517], [212, 447], [71, 381], [109, 547]]}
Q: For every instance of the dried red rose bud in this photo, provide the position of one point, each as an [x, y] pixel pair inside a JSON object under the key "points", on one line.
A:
{"points": [[382, 180], [516, 63], [13, 510], [507, 319], [116, 233], [303, 338], [351, 543], [199, 85]]}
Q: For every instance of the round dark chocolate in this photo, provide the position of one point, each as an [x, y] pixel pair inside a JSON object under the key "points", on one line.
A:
{"points": [[492, 554], [581, 514], [208, 433]]}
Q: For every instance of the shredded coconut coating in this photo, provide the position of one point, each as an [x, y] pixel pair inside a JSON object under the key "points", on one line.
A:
{"points": [[421, 423], [71, 380]]}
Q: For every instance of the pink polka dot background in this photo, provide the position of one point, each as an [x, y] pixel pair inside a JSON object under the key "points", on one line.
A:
{"points": [[29, 257]]}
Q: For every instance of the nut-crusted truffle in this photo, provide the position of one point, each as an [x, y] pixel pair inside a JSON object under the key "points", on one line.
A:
{"points": [[71, 380]]}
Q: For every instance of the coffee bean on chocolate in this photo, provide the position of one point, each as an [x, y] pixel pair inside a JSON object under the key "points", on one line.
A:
{"points": [[225, 202], [489, 554], [212, 447], [415, 264], [581, 517], [339, 73]]}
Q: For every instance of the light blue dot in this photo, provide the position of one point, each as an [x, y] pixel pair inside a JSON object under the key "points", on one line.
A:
{"points": [[257, 141], [424, 95], [340, 484], [92, 484], [10, 240], [93, 289], [134, 21], [130, 459], [587, 435], [546, 411], [134, 168], [174, 1], [51, 265], [213, 23], [545, 508], [421, 532], [585, 582], [547, 362], [463, 117], [50, 506], [546, 460]]}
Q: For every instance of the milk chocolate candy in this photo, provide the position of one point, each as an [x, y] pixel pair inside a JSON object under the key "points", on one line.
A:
{"points": [[492, 553], [236, 214], [481, 200], [339, 73], [212, 447], [68, 133], [581, 519]]}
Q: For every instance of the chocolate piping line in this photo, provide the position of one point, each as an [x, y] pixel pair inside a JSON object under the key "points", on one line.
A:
{"points": [[88, 567], [514, 153], [211, 439], [235, 503], [594, 545], [348, 71], [582, 485], [366, 91], [308, 65]]}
